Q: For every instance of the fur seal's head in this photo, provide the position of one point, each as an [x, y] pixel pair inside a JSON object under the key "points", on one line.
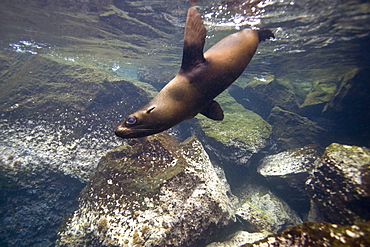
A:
{"points": [[144, 122]]}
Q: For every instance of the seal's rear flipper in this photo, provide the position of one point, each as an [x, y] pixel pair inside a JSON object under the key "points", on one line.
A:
{"points": [[194, 39], [264, 34]]}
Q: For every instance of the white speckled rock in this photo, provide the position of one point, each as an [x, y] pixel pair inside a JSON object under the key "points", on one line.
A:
{"points": [[287, 172], [240, 238], [289, 162], [261, 210], [151, 192]]}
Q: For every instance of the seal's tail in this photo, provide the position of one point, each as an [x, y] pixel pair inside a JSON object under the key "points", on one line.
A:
{"points": [[264, 34]]}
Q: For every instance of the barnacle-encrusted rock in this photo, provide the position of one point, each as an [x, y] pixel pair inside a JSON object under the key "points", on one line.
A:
{"points": [[151, 192], [287, 172], [261, 210], [340, 184], [319, 234]]}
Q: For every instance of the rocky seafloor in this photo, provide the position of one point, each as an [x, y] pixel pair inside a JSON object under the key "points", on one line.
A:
{"points": [[289, 165]]}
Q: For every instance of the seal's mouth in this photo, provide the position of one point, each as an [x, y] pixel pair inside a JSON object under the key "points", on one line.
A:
{"points": [[125, 132]]}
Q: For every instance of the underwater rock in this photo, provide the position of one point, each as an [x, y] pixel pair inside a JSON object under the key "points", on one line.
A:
{"points": [[57, 120], [291, 130], [287, 172], [47, 88], [340, 184], [261, 210], [33, 204], [238, 136], [239, 238], [319, 234], [262, 94], [350, 108], [57, 112], [152, 191], [320, 94]]}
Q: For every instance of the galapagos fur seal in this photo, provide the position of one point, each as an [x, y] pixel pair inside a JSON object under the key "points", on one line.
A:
{"points": [[200, 79]]}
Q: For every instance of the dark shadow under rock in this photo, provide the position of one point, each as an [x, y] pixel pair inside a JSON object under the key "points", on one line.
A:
{"points": [[350, 108], [33, 204]]}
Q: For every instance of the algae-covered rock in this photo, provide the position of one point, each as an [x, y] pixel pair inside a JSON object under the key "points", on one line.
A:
{"points": [[287, 172], [152, 191], [320, 94], [291, 130], [261, 210], [340, 184], [35, 86], [239, 135], [262, 94], [319, 234]]}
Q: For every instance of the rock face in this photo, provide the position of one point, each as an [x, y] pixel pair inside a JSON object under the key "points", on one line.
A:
{"points": [[152, 191], [261, 95], [350, 108], [291, 130], [340, 185], [60, 113], [261, 210], [319, 234], [287, 172]]}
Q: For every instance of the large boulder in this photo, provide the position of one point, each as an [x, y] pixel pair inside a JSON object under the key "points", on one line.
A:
{"points": [[59, 113], [262, 94], [291, 130], [261, 210], [340, 184], [287, 172], [319, 234], [153, 191]]}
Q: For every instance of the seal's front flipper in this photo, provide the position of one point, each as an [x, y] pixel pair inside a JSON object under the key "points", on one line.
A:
{"points": [[194, 39], [264, 34], [213, 111]]}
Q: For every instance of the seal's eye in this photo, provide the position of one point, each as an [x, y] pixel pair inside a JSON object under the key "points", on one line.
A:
{"points": [[131, 120]]}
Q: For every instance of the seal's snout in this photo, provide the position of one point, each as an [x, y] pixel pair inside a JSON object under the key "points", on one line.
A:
{"points": [[120, 131]]}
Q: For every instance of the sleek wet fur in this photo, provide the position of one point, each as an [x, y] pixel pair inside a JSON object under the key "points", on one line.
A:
{"points": [[201, 78]]}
